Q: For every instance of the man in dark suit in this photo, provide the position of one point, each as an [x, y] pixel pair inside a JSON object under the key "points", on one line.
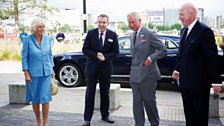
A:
{"points": [[197, 67], [100, 47], [146, 49]]}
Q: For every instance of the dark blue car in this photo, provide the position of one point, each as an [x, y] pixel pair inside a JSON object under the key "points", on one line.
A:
{"points": [[175, 38], [70, 67]]}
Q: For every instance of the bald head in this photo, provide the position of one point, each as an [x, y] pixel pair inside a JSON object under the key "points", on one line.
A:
{"points": [[187, 13], [190, 8]]}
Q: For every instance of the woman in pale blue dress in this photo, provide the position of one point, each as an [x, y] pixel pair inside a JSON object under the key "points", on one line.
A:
{"points": [[37, 64]]}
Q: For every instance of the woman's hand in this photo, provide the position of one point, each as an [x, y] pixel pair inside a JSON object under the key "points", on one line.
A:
{"points": [[27, 76]]}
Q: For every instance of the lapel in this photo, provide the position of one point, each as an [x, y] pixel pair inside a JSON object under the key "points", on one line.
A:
{"points": [[106, 37], [105, 40], [181, 37], [192, 35], [138, 38], [43, 42], [138, 42], [132, 39], [35, 43], [96, 38], [182, 33], [132, 42]]}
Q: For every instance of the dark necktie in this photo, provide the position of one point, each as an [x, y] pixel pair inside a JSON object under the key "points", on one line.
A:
{"points": [[135, 36], [184, 36], [101, 40]]}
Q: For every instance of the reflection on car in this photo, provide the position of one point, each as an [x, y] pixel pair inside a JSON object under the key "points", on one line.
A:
{"points": [[175, 38], [70, 67]]}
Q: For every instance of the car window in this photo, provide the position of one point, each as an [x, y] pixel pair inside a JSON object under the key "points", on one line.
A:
{"points": [[170, 44], [163, 40], [124, 44]]}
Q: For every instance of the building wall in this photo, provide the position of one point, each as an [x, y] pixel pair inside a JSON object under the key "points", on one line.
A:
{"points": [[171, 17], [166, 16], [220, 21]]}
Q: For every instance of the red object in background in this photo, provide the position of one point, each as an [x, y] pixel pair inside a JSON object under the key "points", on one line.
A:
{"points": [[11, 33], [1, 32], [8, 33]]}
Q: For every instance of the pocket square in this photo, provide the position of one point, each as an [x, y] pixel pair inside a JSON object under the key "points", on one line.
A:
{"points": [[110, 40]]}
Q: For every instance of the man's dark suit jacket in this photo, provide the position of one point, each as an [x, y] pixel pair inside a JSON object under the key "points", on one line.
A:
{"points": [[91, 47], [198, 62]]}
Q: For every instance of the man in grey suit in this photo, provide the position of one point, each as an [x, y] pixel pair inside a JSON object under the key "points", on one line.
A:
{"points": [[146, 50]]}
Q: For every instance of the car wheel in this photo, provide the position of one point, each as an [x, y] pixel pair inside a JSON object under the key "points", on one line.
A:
{"points": [[69, 75]]}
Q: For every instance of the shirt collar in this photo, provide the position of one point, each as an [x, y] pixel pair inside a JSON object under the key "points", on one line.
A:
{"points": [[191, 25], [104, 32], [139, 30]]}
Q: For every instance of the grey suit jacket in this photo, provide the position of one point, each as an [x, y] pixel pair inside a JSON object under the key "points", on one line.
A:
{"points": [[147, 45]]}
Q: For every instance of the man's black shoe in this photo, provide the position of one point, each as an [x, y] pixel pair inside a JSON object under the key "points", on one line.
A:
{"points": [[108, 120], [86, 123], [222, 98]]}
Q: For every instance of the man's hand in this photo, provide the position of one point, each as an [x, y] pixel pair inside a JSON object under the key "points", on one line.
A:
{"points": [[216, 88], [221, 45], [100, 56], [175, 75], [147, 62]]}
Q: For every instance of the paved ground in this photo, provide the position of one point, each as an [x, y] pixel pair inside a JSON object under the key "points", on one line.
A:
{"points": [[67, 106]]}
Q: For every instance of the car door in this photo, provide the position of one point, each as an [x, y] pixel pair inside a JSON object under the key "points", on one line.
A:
{"points": [[168, 63], [122, 63]]}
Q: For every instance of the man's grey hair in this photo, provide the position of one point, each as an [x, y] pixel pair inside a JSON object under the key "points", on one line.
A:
{"points": [[34, 24], [134, 14]]}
